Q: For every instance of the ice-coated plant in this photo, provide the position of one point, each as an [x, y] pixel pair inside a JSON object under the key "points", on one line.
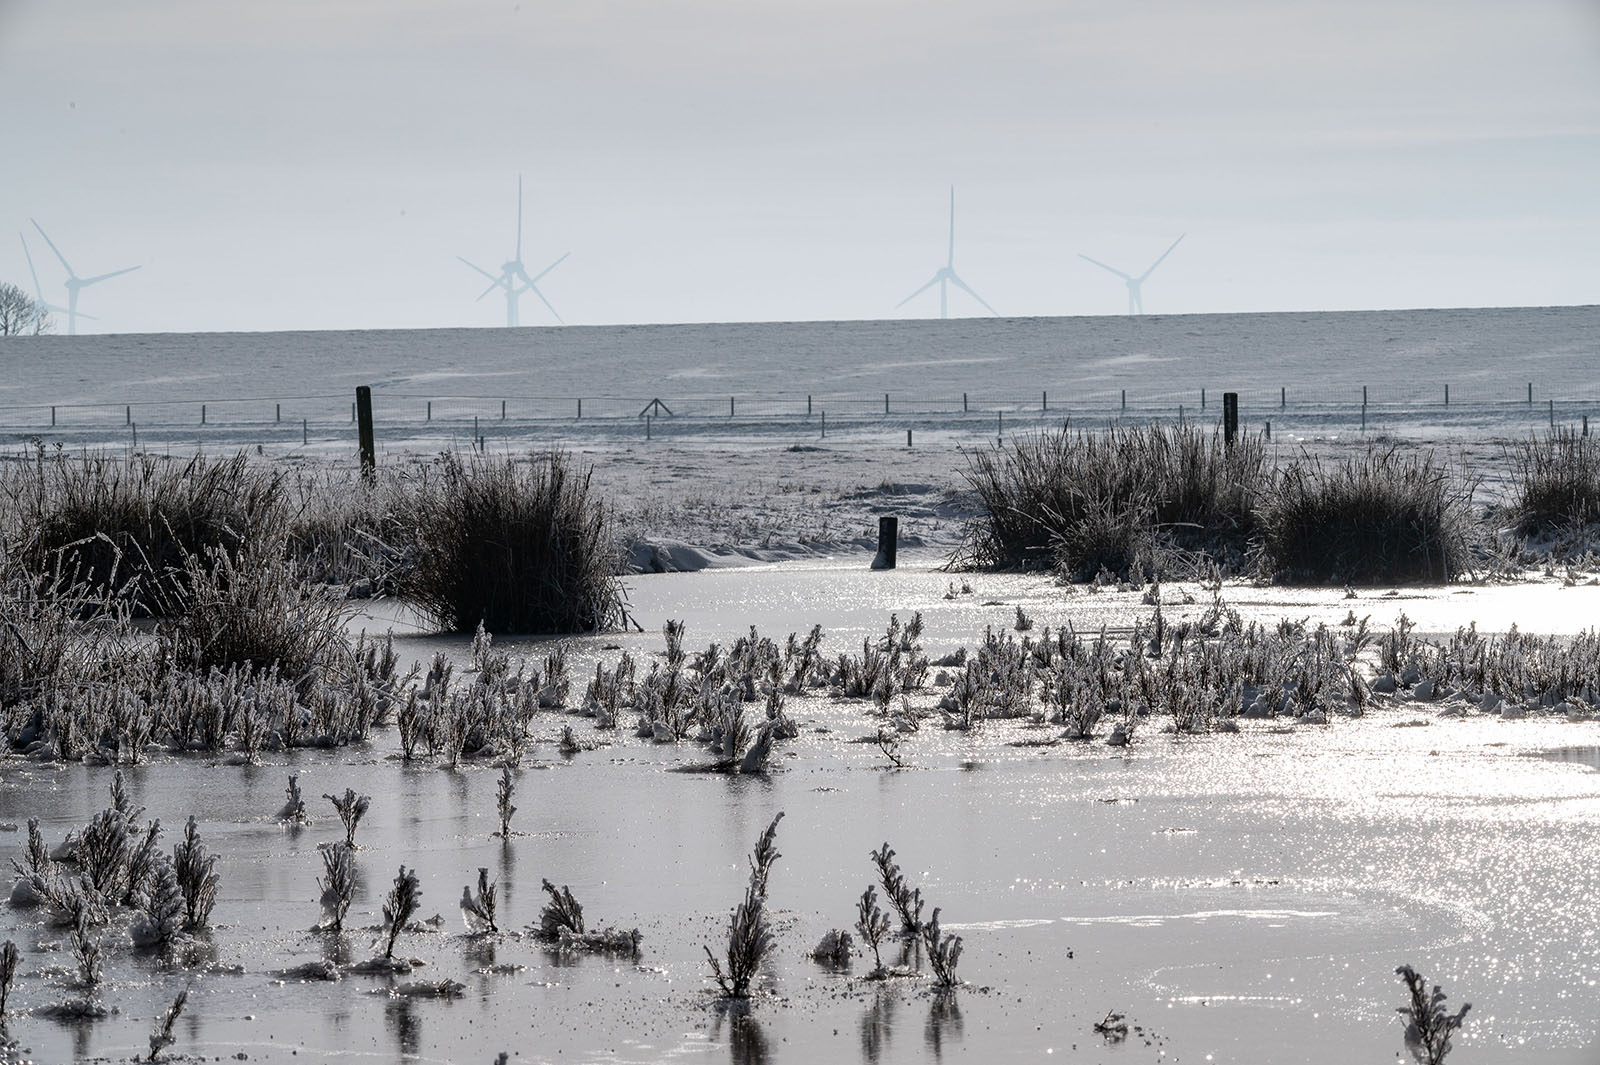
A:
{"points": [[561, 914], [907, 901], [160, 920], [478, 912], [873, 924], [503, 801], [1429, 1026], [9, 958], [834, 948], [197, 876], [86, 951], [944, 951], [763, 857], [351, 808], [294, 810], [749, 937], [162, 1036], [338, 884], [399, 906], [749, 941]]}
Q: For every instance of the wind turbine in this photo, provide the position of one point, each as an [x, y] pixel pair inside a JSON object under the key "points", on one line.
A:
{"points": [[513, 276], [74, 283], [1135, 297], [946, 274], [40, 307]]}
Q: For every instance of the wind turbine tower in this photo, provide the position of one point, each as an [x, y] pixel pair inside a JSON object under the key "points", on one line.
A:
{"points": [[75, 284], [1135, 296], [513, 277], [946, 275]]}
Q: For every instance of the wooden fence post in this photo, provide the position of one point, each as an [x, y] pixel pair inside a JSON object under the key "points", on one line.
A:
{"points": [[1230, 417], [888, 542], [369, 455]]}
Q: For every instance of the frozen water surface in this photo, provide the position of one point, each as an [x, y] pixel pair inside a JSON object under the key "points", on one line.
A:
{"points": [[1241, 898]]}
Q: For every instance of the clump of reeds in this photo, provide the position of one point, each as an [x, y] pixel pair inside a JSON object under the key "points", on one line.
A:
{"points": [[1555, 482], [478, 911], [351, 809], [338, 884], [402, 902], [749, 937], [123, 525], [162, 1036], [1088, 502], [519, 546], [1387, 516], [1429, 1027]]}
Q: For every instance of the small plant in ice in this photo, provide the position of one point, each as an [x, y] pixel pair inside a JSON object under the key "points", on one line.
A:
{"points": [[160, 921], [162, 1037], [944, 951], [749, 938], [86, 950], [888, 742], [1023, 623], [294, 810], [352, 808], [873, 924], [834, 947], [338, 884], [479, 912], [1114, 1026], [403, 900], [197, 876], [1429, 1027], [503, 801], [561, 914], [765, 854], [9, 957], [907, 901]]}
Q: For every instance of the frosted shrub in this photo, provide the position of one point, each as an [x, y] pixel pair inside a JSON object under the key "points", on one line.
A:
{"points": [[197, 877], [160, 920], [338, 885], [162, 1036], [351, 809], [1429, 1028], [873, 924], [9, 957], [561, 914], [749, 937], [944, 951], [478, 911], [906, 901], [399, 906]]}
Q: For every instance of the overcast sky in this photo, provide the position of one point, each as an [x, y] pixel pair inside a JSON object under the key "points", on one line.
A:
{"points": [[308, 164]]}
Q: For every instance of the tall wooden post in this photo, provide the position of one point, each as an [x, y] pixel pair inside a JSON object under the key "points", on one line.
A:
{"points": [[369, 455], [1230, 417], [888, 542]]}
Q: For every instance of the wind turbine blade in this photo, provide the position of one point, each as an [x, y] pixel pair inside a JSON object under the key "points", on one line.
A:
{"points": [[1103, 266], [496, 283], [53, 247], [38, 294], [519, 218], [919, 291], [492, 277], [964, 287], [552, 310], [115, 273], [950, 261], [540, 275], [1164, 254]]}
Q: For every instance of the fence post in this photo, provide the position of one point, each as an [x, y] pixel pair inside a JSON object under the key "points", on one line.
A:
{"points": [[730, 406], [1530, 393], [1230, 417], [963, 403], [474, 427], [999, 427], [886, 403], [1283, 397], [647, 420], [430, 411], [502, 410], [202, 414], [135, 435], [369, 456], [580, 408], [352, 414], [908, 438], [824, 425], [305, 432], [1124, 399], [808, 404], [1585, 425], [1203, 399], [1447, 394], [1552, 414], [1269, 430], [1363, 398], [53, 417], [888, 541], [1044, 400]]}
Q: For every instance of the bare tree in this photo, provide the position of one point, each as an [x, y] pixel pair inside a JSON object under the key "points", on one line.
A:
{"points": [[19, 314]]}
